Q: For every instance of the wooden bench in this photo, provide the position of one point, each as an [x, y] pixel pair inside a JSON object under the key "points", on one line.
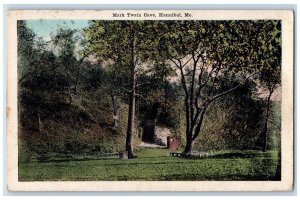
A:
{"points": [[200, 154], [177, 154], [193, 154]]}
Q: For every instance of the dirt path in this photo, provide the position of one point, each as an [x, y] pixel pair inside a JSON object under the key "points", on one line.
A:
{"points": [[151, 145]]}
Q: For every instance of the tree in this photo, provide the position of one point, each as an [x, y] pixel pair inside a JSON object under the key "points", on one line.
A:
{"points": [[26, 39], [270, 75], [34, 62], [66, 63], [205, 52], [125, 45]]}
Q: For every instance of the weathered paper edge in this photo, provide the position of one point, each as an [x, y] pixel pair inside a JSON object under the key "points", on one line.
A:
{"points": [[286, 184]]}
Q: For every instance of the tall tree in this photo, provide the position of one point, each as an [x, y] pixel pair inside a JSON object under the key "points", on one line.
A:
{"points": [[205, 52], [125, 45], [64, 46]]}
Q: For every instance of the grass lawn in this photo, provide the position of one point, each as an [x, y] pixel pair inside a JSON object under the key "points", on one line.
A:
{"points": [[155, 164]]}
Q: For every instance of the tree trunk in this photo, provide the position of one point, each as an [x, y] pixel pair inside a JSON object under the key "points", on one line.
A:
{"points": [[131, 115], [116, 111], [131, 112], [265, 131], [189, 145], [192, 136], [40, 123]]}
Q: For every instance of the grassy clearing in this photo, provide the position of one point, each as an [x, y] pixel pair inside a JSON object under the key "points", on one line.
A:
{"points": [[155, 164]]}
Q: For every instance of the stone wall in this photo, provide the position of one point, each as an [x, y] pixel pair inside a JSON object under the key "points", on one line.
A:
{"points": [[160, 135]]}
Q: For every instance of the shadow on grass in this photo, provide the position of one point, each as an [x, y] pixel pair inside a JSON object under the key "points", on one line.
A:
{"points": [[228, 177], [236, 155], [70, 159], [232, 155]]}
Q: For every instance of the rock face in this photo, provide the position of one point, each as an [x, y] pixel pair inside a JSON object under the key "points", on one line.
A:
{"points": [[155, 134], [160, 135]]}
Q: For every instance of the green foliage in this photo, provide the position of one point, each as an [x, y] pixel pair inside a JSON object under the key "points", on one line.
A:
{"points": [[62, 109], [209, 53], [159, 100], [271, 53], [237, 120], [25, 48], [233, 122], [274, 130], [112, 40]]}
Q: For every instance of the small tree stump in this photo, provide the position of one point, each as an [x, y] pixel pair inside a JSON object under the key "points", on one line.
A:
{"points": [[123, 155]]}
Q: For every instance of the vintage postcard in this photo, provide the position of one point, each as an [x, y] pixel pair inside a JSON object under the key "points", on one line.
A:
{"points": [[150, 100]]}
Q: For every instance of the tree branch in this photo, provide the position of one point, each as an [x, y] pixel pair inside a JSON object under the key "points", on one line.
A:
{"points": [[178, 66], [195, 60], [139, 95], [125, 89], [231, 90], [198, 95]]}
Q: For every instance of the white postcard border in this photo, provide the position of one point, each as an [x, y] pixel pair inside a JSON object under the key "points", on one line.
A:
{"points": [[286, 183]]}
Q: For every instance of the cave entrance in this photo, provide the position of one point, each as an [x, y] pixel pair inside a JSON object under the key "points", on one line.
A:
{"points": [[149, 131]]}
